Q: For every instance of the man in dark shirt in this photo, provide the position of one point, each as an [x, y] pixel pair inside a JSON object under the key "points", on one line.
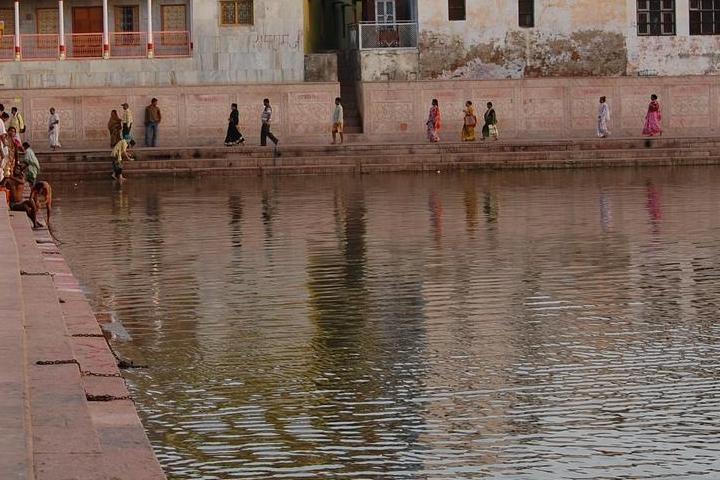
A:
{"points": [[152, 121]]}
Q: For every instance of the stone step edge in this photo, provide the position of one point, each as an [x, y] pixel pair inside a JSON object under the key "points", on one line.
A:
{"points": [[24, 467], [104, 388]]}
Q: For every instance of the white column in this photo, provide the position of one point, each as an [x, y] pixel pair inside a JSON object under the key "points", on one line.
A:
{"points": [[61, 29], [17, 31], [106, 35], [150, 46]]}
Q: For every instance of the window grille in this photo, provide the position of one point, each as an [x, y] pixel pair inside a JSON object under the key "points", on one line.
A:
{"points": [[456, 10], [236, 12], [656, 17], [526, 13], [704, 17]]}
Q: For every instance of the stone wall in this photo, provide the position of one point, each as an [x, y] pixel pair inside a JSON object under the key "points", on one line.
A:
{"points": [[569, 39], [542, 108], [192, 116]]}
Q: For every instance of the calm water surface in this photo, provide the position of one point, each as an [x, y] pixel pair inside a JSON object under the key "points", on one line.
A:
{"points": [[517, 325]]}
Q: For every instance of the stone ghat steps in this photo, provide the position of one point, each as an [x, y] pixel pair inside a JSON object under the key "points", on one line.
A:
{"points": [[395, 157], [398, 163], [79, 421], [369, 150]]}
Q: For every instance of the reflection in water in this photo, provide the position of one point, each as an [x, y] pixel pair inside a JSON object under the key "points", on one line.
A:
{"points": [[314, 328]]}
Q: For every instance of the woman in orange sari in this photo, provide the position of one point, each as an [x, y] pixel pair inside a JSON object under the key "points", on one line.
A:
{"points": [[433, 122], [115, 128]]}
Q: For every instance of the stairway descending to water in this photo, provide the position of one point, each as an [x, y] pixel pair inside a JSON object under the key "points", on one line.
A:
{"points": [[367, 158], [65, 411]]}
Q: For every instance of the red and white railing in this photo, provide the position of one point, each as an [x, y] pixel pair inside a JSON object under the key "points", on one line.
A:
{"points": [[39, 46], [128, 44], [172, 44], [7, 47], [90, 45]]}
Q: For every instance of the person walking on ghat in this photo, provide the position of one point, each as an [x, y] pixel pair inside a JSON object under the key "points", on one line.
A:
{"points": [[490, 128], [653, 118], [433, 122], [233, 136], [54, 129], [469, 122], [266, 119], [115, 128], [127, 121], [153, 117], [338, 120], [603, 119]]}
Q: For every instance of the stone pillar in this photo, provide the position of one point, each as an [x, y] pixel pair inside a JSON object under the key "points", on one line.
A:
{"points": [[150, 46], [61, 29], [18, 55], [106, 34]]}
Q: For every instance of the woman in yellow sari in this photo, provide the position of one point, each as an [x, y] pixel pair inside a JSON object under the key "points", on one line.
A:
{"points": [[469, 123]]}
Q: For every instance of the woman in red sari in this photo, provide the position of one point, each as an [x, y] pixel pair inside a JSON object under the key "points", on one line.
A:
{"points": [[653, 118], [433, 123]]}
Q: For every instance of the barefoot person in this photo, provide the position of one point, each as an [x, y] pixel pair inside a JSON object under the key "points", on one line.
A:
{"points": [[490, 129], [16, 187], [603, 130], [30, 164], [433, 122], [337, 121], [653, 118], [469, 123], [266, 119], [233, 135], [54, 129], [120, 153]]}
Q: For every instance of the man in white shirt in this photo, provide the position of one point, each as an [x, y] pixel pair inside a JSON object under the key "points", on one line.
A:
{"points": [[266, 118], [337, 121]]}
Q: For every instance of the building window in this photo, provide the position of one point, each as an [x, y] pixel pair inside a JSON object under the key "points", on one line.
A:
{"points": [[656, 17], [704, 17], [236, 12], [456, 10], [127, 19], [385, 11], [526, 13]]}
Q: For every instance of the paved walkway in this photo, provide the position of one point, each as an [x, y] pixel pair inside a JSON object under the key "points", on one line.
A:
{"points": [[65, 412]]}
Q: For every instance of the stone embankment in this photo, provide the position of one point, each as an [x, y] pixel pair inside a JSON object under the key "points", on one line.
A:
{"points": [[374, 158], [65, 411]]}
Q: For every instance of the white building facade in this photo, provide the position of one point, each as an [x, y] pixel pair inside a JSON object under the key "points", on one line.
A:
{"points": [[119, 43]]}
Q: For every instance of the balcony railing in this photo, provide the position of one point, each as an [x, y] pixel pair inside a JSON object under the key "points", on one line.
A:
{"points": [[7, 47], [39, 46], [128, 44], [84, 45], [384, 35], [172, 44], [90, 45]]}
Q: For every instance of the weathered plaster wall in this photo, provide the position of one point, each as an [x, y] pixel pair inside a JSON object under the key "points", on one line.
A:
{"points": [[548, 108], [570, 38], [389, 65], [270, 51]]}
